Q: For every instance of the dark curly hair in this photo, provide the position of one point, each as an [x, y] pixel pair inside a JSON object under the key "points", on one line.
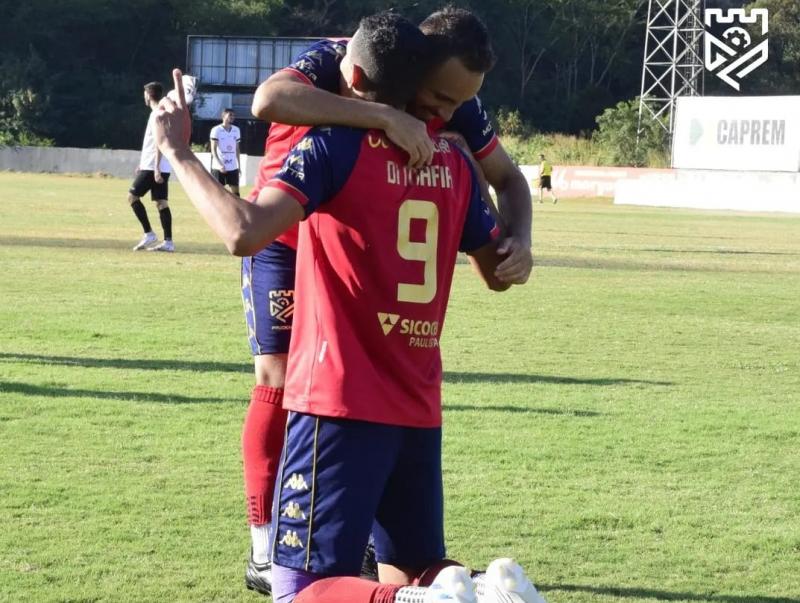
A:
{"points": [[394, 55], [457, 32]]}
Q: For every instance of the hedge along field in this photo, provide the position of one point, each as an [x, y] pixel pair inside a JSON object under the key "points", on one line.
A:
{"points": [[626, 425]]}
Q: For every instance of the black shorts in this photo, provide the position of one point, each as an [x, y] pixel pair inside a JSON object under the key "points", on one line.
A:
{"points": [[230, 178], [145, 181], [544, 182]]}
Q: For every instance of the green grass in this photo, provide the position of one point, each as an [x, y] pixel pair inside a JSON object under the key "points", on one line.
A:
{"points": [[626, 425]]}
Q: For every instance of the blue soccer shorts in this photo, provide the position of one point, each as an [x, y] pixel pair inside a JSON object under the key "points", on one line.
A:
{"points": [[268, 298], [339, 480]]}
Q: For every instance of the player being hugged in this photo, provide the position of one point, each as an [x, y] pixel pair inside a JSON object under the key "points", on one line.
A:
{"points": [[376, 255]]}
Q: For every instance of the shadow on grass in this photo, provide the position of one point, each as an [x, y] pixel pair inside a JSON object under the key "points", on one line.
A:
{"points": [[662, 595], [453, 377], [592, 263], [46, 391], [131, 363], [522, 410], [110, 244], [245, 367]]}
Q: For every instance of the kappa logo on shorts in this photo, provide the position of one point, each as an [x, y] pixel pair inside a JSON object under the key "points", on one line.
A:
{"points": [[281, 304], [292, 540], [297, 482], [293, 511], [387, 321]]}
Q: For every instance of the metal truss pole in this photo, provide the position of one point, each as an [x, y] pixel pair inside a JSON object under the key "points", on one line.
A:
{"points": [[673, 60]]}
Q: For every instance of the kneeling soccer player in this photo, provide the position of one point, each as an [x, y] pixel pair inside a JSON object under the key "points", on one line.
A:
{"points": [[376, 257]]}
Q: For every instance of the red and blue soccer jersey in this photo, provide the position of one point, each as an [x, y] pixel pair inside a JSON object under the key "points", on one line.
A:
{"points": [[375, 263], [319, 66]]}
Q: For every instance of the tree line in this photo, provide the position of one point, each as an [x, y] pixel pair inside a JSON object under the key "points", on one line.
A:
{"points": [[71, 71]]}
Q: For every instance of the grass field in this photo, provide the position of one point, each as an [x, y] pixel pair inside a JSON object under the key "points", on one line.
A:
{"points": [[627, 425]]}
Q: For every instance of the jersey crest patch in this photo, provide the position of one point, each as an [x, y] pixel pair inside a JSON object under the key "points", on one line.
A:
{"points": [[281, 304]]}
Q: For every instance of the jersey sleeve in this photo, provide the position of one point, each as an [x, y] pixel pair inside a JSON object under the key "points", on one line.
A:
{"points": [[238, 133], [214, 135], [319, 65], [473, 123], [480, 227], [319, 165]]}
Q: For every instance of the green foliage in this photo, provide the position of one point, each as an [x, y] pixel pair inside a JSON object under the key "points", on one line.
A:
{"points": [[20, 110], [628, 430], [622, 144], [510, 123], [781, 74]]}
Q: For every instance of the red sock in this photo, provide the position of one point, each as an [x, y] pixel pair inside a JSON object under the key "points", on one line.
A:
{"points": [[347, 590], [262, 443]]}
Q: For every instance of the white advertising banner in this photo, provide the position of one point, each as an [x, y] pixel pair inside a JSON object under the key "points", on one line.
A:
{"points": [[753, 133], [715, 189]]}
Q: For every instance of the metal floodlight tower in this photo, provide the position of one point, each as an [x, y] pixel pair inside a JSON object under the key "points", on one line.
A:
{"points": [[673, 59]]}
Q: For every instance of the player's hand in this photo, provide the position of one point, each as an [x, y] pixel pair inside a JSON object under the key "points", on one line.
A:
{"points": [[222, 170], [457, 139], [173, 124], [411, 135], [516, 268], [158, 177]]}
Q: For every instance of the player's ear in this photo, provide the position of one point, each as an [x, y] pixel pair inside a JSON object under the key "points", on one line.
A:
{"points": [[358, 78]]}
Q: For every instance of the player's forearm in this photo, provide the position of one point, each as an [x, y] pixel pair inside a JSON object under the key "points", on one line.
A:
{"points": [[514, 204], [297, 104], [215, 151], [243, 227]]}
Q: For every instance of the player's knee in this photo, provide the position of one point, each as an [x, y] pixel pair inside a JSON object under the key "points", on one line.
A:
{"points": [[162, 204], [132, 198]]}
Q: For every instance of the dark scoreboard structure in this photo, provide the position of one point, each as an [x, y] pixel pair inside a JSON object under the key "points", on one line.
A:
{"points": [[228, 71]]}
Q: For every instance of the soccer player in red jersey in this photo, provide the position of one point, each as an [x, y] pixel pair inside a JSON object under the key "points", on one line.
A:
{"points": [[377, 252], [312, 91]]}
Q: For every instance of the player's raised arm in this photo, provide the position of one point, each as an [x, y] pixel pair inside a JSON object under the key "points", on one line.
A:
{"points": [[243, 227], [292, 97]]}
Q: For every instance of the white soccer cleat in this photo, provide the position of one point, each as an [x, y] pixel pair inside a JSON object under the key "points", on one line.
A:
{"points": [[167, 246], [505, 582], [452, 584], [148, 239]]}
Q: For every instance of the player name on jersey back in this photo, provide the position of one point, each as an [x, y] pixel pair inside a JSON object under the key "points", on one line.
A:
{"points": [[431, 176]]}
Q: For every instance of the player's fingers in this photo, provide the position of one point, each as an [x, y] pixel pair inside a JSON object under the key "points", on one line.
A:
{"points": [[420, 161], [505, 246], [413, 157], [177, 78], [515, 276], [428, 151], [516, 263]]}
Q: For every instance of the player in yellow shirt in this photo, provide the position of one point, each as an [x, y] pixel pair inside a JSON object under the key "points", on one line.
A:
{"points": [[545, 172]]}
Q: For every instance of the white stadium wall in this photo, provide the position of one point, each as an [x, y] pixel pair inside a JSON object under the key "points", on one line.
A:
{"points": [[121, 164], [753, 133], [714, 189], [732, 153]]}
